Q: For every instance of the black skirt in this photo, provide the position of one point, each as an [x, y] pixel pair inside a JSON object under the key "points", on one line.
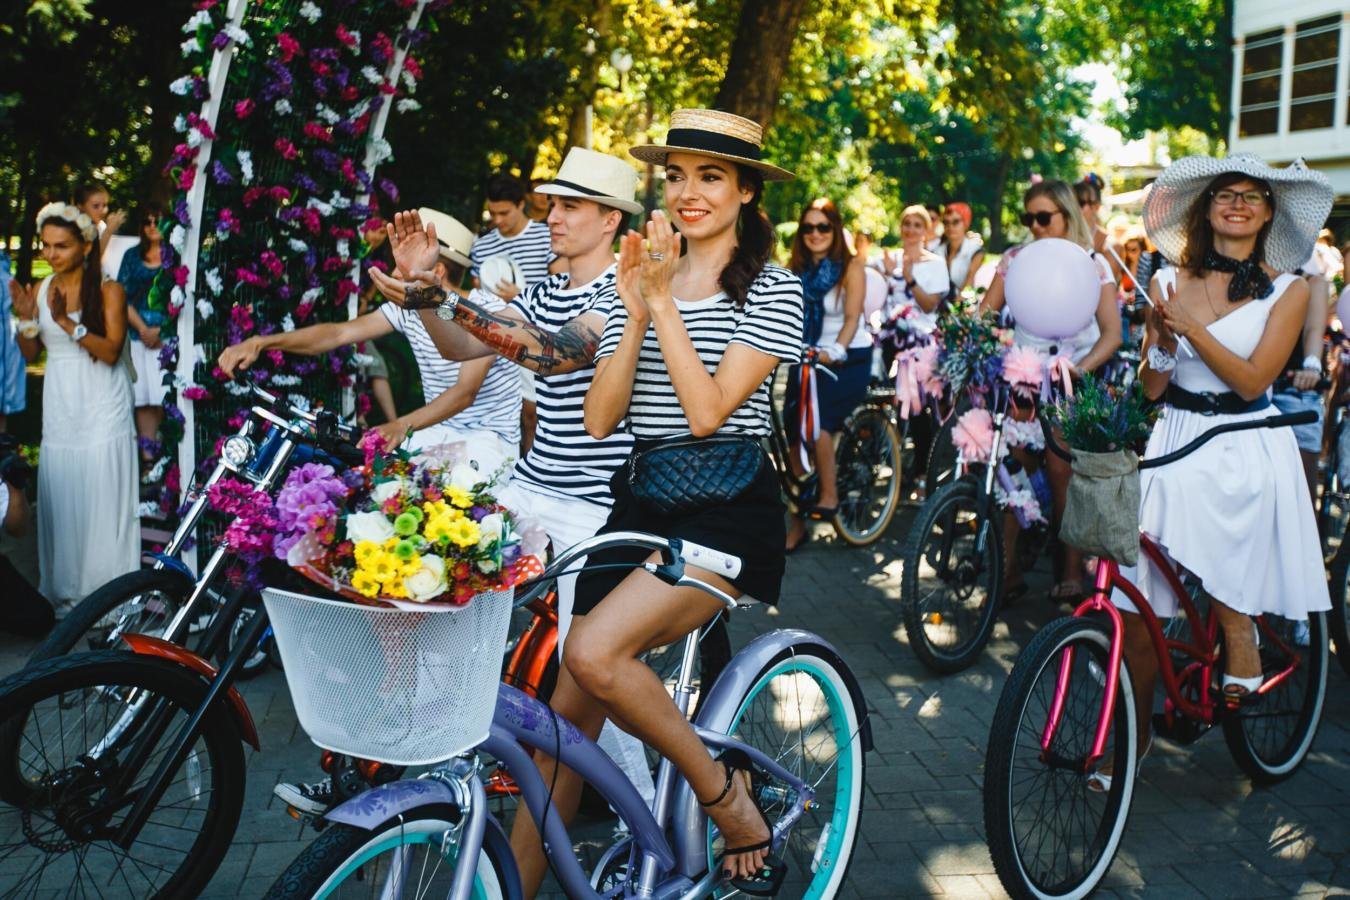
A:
{"points": [[752, 527]]}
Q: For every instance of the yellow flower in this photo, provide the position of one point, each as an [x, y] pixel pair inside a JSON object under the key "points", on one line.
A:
{"points": [[365, 585], [434, 508], [384, 567], [437, 528], [459, 497], [464, 533], [365, 552]]}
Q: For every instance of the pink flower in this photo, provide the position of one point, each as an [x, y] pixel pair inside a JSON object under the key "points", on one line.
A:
{"points": [[303, 310], [289, 47], [1024, 367], [180, 276], [316, 132], [244, 108], [272, 263], [345, 36], [187, 177], [345, 288], [973, 435], [411, 66], [196, 392], [286, 148]]}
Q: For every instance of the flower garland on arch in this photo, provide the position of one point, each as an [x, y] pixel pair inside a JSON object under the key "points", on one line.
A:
{"points": [[286, 210]]}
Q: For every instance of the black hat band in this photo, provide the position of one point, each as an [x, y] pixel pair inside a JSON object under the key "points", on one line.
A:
{"points": [[712, 142]]}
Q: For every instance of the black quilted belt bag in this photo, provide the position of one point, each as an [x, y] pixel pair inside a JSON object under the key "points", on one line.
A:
{"points": [[685, 474]]}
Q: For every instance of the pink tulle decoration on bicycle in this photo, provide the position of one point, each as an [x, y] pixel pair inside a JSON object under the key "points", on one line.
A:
{"points": [[973, 435], [1024, 368]]}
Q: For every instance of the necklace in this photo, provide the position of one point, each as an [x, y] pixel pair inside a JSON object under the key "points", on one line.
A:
{"points": [[1204, 281]]}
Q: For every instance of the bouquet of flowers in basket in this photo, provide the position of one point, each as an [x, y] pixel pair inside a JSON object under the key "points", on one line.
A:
{"points": [[970, 352], [423, 528]]}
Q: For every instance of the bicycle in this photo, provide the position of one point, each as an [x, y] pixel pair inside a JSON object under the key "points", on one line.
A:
{"points": [[166, 599], [952, 576], [787, 699], [869, 453], [1067, 710]]}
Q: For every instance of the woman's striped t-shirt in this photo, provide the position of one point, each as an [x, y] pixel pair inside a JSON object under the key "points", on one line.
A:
{"points": [[770, 321], [564, 461], [496, 406]]}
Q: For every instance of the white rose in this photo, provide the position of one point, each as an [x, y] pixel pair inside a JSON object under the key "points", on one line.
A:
{"points": [[487, 566], [490, 531], [465, 476], [369, 526], [387, 489], [428, 582]]}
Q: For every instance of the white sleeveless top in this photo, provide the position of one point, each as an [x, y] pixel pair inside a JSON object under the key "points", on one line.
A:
{"points": [[833, 322]]}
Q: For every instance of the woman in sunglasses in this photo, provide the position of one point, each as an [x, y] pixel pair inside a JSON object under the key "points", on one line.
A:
{"points": [[1051, 211], [136, 275], [833, 284]]}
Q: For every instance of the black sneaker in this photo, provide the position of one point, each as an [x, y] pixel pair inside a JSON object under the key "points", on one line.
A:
{"points": [[311, 799]]}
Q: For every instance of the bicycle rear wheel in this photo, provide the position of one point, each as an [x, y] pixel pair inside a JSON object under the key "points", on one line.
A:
{"points": [[1338, 619], [1050, 835], [799, 711], [1270, 738], [869, 467], [410, 856], [953, 570], [60, 764]]}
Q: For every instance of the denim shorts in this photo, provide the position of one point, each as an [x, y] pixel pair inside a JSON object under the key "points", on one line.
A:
{"points": [[1309, 437]]}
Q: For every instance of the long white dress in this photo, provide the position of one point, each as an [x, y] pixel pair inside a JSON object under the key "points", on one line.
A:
{"points": [[1236, 513], [88, 532]]}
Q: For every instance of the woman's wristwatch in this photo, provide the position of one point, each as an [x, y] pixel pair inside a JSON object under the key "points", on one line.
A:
{"points": [[1160, 360], [78, 332], [28, 328]]}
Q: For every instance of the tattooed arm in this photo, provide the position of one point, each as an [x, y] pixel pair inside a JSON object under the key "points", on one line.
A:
{"points": [[476, 332]]}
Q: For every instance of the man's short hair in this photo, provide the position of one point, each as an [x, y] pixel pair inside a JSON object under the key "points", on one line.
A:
{"points": [[505, 187]]}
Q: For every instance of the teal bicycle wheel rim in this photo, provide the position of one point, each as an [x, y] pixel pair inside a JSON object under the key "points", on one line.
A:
{"points": [[395, 840]]}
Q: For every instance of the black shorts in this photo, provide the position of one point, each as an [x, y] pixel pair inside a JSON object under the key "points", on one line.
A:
{"points": [[752, 527]]}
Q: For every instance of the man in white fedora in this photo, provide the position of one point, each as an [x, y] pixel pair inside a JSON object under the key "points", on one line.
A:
{"points": [[477, 402], [552, 328]]}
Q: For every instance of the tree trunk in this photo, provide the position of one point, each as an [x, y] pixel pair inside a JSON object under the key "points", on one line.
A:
{"points": [[759, 58], [996, 240], [28, 202]]}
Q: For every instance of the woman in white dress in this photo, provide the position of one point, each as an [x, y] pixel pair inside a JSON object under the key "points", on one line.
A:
{"points": [[87, 527], [1235, 514], [962, 248]]}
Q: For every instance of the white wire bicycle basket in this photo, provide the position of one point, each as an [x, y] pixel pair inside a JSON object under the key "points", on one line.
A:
{"points": [[408, 687]]}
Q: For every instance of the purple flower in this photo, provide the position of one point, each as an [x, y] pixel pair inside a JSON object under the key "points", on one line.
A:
{"points": [[328, 159], [180, 212], [220, 173], [389, 189], [304, 181]]}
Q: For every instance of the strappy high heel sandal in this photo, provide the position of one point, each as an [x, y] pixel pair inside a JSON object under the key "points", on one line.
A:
{"points": [[769, 878], [1240, 692]]}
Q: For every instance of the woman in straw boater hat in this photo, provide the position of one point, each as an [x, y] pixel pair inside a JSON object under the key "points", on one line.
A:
{"points": [[1235, 514], [687, 353]]}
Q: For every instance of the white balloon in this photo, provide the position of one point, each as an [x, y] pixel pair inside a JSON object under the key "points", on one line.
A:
{"points": [[1343, 308], [1052, 288]]}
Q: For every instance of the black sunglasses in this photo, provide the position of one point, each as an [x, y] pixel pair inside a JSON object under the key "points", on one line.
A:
{"points": [[1041, 218], [817, 227]]}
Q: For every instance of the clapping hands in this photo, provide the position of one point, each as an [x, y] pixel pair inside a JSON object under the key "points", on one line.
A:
{"points": [[647, 267]]}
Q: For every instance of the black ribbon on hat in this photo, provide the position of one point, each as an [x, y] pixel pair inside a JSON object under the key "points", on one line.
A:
{"points": [[1249, 279], [698, 139]]}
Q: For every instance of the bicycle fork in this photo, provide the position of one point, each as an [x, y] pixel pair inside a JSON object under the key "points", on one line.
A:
{"points": [[1100, 601]]}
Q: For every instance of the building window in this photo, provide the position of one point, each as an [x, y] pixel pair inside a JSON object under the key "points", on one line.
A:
{"points": [[1313, 89], [1259, 111]]}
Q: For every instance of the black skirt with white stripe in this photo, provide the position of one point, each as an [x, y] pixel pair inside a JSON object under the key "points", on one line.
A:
{"points": [[752, 527]]}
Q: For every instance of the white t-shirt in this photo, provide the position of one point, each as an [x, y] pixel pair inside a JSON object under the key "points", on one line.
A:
{"points": [[833, 322], [496, 406], [959, 265], [530, 249], [769, 321], [564, 460]]}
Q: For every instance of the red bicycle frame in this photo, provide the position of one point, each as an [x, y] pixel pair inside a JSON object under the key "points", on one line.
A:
{"points": [[1203, 652]]}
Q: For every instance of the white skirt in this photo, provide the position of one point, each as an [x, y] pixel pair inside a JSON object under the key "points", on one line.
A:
{"points": [[1236, 514]]}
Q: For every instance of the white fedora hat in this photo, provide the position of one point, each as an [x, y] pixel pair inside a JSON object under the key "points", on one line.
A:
{"points": [[455, 239], [712, 132], [589, 175], [1303, 200]]}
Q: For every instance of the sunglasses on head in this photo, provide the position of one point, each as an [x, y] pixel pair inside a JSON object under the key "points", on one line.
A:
{"points": [[817, 227], [1041, 218]]}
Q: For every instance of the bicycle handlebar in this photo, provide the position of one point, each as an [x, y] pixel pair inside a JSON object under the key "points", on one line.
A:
{"points": [[329, 432], [1306, 417], [675, 554]]}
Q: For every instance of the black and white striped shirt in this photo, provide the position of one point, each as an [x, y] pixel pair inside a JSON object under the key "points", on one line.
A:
{"points": [[496, 406], [530, 249], [564, 460], [770, 321]]}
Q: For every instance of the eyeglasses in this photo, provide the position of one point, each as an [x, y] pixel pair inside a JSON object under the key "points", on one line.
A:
{"points": [[954, 221], [817, 227], [1229, 198], [1041, 218]]}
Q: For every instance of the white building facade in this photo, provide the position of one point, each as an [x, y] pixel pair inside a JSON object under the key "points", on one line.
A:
{"points": [[1291, 85]]}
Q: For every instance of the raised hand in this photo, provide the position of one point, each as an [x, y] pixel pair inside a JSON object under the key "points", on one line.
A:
{"points": [[24, 297], [1176, 319], [239, 356], [659, 261], [889, 261], [56, 302], [628, 279], [415, 248], [115, 221]]}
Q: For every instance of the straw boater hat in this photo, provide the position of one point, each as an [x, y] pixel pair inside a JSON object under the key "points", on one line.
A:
{"points": [[595, 176], [1303, 199], [455, 239], [711, 132]]}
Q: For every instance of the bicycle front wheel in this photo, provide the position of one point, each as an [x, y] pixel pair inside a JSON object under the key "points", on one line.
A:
{"points": [[953, 569], [82, 719], [869, 468], [411, 856], [799, 711], [1338, 620], [1270, 738], [140, 602], [1050, 834]]}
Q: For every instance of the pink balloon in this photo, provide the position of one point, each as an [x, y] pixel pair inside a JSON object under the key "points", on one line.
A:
{"points": [[1343, 308], [1052, 288]]}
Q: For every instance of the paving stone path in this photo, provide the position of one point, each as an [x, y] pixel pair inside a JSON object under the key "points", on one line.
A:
{"points": [[1197, 828]]}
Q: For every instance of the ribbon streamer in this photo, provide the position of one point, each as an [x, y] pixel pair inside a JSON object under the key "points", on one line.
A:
{"points": [[808, 419], [1057, 367]]}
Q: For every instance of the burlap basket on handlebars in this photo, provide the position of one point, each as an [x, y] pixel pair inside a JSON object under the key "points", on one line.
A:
{"points": [[1101, 512]]}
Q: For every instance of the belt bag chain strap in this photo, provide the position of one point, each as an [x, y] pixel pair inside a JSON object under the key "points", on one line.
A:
{"points": [[687, 474]]}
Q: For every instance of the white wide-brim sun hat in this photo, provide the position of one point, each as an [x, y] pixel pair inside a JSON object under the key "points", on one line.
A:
{"points": [[1303, 199], [591, 175], [455, 238]]}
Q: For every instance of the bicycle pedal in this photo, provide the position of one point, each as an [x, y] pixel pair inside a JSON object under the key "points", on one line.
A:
{"points": [[1180, 730], [318, 823]]}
